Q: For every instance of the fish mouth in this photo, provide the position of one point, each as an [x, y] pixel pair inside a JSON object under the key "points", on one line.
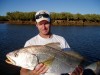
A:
{"points": [[10, 61]]}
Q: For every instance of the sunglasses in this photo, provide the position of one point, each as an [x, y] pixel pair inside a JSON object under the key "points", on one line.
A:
{"points": [[42, 15]]}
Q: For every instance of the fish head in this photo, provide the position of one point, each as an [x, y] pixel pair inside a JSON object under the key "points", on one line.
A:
{"points": [[12, 57], [22, 59]]}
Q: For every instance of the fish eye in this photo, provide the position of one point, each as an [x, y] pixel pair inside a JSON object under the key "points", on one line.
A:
{"points": [[16, 54]]}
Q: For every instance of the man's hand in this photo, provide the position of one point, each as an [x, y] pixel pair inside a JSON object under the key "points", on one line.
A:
{"points": [[78, 71], [40, 69]]}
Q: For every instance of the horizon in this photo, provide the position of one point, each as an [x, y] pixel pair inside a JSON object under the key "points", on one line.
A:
{"points": [[74, 7]]}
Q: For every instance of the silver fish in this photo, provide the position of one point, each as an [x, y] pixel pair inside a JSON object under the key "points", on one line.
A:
{"points": [[52, 56]]}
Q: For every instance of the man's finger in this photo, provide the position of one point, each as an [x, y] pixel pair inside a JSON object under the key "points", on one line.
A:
{"points": [[38, 67], [45, 70], [78, 71], [41, 68]]}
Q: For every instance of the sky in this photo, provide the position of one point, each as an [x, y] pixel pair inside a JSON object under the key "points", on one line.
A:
{"points": [[72, 6]]}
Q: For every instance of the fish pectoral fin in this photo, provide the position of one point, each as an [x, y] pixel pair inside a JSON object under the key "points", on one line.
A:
{"points": [[49, 61]]}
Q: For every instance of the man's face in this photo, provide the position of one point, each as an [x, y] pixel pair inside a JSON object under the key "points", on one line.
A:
{"points": [[43, 27]]}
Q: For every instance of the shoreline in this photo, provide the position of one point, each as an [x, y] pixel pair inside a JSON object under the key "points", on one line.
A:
{"points": [[56, 23]]}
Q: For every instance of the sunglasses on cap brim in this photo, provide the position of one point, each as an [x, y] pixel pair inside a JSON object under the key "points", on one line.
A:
{"points": [[42, 15]]}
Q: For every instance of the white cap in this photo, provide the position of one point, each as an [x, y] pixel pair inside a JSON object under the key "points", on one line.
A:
{"points": [[40, 18]]}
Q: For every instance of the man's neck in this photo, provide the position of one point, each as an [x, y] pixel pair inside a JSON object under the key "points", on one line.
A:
{"points": [[45, 36]]}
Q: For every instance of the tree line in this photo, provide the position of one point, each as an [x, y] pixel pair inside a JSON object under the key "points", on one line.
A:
{"points": [[30, 16]]}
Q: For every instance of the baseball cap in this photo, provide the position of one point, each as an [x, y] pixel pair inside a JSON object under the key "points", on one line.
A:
{"points": [[42, 15]]}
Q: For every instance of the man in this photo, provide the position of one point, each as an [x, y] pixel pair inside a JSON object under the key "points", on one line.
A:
{"points": [[43, 23]]}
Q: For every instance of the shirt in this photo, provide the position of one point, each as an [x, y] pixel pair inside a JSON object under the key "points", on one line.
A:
{"points": [[38, 40]]}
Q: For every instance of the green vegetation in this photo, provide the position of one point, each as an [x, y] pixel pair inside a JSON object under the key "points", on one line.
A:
{"points": [[20, 16], [3, 18], [64, 18]]}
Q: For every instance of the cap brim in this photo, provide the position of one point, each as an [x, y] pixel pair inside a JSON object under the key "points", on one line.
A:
{"points": [[43, 22], [39, 20]]}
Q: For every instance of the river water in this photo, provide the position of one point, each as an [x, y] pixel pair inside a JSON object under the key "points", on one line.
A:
{"points": [[85, 40]]}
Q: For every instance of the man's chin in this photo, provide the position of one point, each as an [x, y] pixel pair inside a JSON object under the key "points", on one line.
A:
{"points": [[45, 33]]}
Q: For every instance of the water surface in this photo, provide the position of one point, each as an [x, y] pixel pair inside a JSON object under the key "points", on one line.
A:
{"points": [[85, 40]]}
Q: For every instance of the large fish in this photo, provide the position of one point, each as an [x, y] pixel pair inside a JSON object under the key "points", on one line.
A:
{"points": [[52, 56]]}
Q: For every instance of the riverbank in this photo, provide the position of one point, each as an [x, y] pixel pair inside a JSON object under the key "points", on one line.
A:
{"points": [[75, 23], [56, 22]]}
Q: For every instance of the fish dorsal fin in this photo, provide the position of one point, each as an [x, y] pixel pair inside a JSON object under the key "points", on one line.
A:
{"points": [[55, 45], [74, 54]]}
